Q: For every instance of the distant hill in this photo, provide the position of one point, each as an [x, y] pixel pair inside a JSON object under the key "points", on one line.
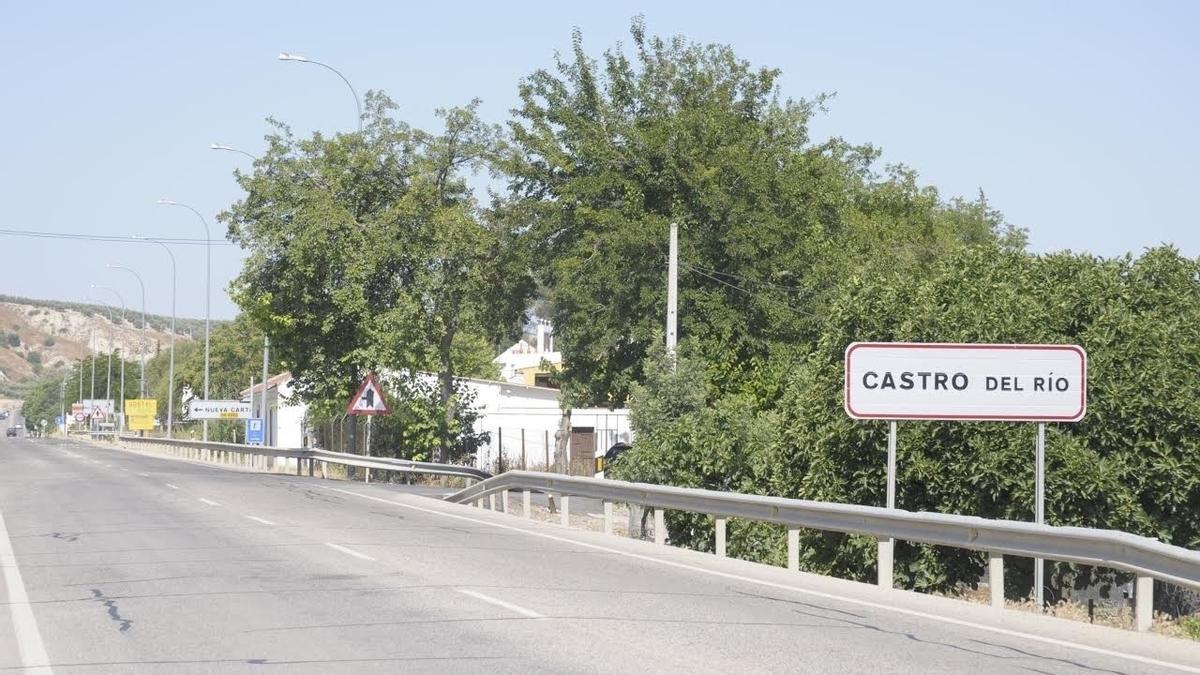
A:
{"points": [[47, 335]]}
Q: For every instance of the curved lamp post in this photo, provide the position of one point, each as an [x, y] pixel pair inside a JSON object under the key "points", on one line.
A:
{"points": [[230, 148], [112, 290], [171, 368], [145, 340], [207, 292], [285, 56]]}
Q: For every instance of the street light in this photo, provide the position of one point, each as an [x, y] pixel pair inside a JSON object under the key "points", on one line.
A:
{"points": [[145, 341], [112, 322], [112, 290], [171, 368], [285, 56], [230, 148], [207, 292]]}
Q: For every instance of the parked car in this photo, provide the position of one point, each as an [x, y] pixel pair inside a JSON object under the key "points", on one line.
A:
{"points": [[11, 431]]}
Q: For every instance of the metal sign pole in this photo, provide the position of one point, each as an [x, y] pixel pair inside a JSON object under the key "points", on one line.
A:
{"points": [[891, 471], [887, 546], [1039, 511]]}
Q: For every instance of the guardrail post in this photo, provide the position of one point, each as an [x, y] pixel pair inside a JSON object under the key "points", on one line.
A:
{"points": [[793, 544], [310, 467], [720, 528], [886, 546], [325, 470], [367, 475], [525, 498], [299, 465], [504, 501], [566, 510], [608, 510], [660, 526], [1143, 603], [996, 579], [492, 502]]}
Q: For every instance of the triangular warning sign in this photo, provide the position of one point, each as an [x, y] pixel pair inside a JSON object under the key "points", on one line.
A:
{"points": [[369, 399]]}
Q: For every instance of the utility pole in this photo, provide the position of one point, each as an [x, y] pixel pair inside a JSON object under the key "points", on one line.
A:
{"points": [[673, 293], [266, 360]]}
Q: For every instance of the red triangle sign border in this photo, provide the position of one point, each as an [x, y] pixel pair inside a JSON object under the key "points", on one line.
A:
{"points": [[372, 382]]}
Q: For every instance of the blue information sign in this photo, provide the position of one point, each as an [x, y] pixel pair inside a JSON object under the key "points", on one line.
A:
{"points": [[254, 431]]}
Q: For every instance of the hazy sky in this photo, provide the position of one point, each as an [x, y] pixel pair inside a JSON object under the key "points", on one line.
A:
{"points": [[1078, 119]]}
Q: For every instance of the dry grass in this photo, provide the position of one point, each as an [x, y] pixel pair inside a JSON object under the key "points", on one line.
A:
{"points": [[1114, 616]]}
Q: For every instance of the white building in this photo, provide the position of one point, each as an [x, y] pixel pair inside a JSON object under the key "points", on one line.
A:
{"points": [[532, 364], [522, 421], [284, 420]]}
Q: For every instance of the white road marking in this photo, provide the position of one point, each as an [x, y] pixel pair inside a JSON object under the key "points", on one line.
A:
{"points": [[144, 475], [173, 487], [208, 501], [356, 554], [108, 466], [788, 587], [501, 603], [264, 521], [29, 639]]}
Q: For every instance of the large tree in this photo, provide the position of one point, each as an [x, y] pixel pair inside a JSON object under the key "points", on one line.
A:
{"points": [[369, 251], [606, 153]]}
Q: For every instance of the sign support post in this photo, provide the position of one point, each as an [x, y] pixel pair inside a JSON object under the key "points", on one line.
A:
{"points": [[369, 401], [1040, 513], [887, 546]]}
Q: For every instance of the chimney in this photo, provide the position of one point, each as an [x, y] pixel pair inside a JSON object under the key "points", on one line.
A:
{"points": [[541, 337]]}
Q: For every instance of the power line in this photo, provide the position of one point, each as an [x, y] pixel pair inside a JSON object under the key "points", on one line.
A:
{"points": [[34, 234], [746, 291], [769, 284]]}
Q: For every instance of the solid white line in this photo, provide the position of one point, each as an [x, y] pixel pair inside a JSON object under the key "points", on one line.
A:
{"points": [[788, 587], [173, 487], [264, 521], [208, 501], [501, 603], [356, 554], [144, 475], [29, 639]]}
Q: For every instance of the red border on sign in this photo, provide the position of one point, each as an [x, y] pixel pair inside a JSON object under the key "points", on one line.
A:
{"points": [[971, 418], [369, 379]]}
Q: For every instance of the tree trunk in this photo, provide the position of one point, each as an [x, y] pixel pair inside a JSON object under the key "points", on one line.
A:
{"points": [[562, 441], [446, 380]]}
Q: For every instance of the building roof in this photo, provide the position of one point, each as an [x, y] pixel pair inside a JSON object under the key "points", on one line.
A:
{"points": [[273, 382]]}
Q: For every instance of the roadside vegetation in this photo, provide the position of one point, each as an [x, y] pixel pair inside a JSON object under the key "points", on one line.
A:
{"points": [[370, 251]]}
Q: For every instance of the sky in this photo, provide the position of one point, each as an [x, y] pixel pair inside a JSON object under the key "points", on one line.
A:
{"points": [[1077, 119]]}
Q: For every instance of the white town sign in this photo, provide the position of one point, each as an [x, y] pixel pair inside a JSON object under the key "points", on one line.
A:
{"points": [[998, 382]]}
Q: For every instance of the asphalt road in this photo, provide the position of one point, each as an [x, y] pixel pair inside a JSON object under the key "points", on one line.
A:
{"points": [[117, 562]]}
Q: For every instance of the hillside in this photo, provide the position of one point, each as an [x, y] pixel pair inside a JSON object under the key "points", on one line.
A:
{"points": [[38, 336]]}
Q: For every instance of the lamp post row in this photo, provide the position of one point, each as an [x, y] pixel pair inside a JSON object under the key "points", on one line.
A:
{"points": [[283, 56]]}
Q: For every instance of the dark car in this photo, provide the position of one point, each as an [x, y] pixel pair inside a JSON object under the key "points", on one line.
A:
{"points": [[613, 453], [11, 431]]}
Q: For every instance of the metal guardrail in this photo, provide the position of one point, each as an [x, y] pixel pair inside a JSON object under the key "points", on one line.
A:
{"points": [[313, 455], [1148, 558]]}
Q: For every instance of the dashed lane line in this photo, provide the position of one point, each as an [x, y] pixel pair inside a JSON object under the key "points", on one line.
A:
{"points": [[501, 603], [209, 502], [350, 552], [256, 519]]}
